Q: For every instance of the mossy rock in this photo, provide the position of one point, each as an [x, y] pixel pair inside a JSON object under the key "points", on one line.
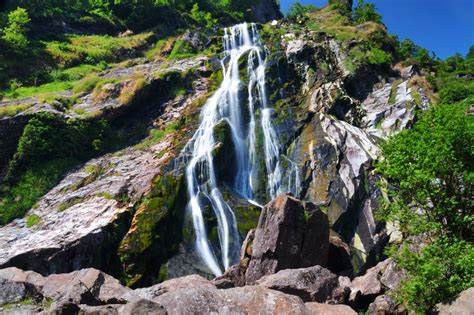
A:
{"points": [[155, 232]]}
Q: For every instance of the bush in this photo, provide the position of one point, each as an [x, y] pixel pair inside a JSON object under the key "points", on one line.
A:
{"points": [[377, 56], [454, 92], [15, 31], [365, 12]]}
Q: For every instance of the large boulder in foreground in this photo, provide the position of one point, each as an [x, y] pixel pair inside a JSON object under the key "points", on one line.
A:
{"points": [[313, 284], [290, 234]]}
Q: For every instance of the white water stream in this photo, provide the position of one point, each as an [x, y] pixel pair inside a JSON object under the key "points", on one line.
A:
{"points": [[240, 41]]}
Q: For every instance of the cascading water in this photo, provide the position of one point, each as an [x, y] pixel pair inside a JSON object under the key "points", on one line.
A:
{"points": [[225, 105]]}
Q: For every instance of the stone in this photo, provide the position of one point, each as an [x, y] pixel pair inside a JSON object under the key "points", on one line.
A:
{"points": [[290, 234], [384, 305], [366, 288], [313, 284], [328, 309], [11, 292], [463, 304], [169, 286]]}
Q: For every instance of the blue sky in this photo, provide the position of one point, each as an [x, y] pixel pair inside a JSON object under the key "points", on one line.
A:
{"points": [[442, 26]]}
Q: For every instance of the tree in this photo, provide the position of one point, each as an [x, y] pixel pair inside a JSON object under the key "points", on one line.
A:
{"points": [[297, 9], [407, 49], [470, 54], [365, 12], [14, 33]]}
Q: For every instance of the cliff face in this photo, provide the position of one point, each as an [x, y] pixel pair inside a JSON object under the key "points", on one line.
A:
{"points": [[125, 212]]}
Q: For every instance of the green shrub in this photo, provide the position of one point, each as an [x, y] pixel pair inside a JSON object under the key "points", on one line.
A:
{"points": [[438, 272], [203, 18], [377, 56], [454, 92], [31, 186]]}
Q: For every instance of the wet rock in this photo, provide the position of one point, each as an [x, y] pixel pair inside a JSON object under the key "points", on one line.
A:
{"points": [[385, 305], [462, 304], [290, 234], [329, 309], [313, 284]]}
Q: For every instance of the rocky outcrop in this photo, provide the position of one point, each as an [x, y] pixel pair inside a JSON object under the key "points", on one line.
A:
{"points": [[463, 303], [93, 292], [290, 234]]}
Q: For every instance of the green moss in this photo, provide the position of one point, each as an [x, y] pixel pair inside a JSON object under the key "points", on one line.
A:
{"points": [[154, 223], [105, 195], [32, 220], [66, 205]]}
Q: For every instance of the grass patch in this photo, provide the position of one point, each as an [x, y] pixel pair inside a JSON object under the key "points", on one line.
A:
{"points": [[160, 49], [28, 301], [48, 88], [181, 50], [31, 186], [104, 195], [93, 48], [9, 111], [87, 84], [32, 220], [66, 205]]}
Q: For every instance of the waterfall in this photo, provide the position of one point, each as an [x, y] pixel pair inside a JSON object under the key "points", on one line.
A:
{"points": [[226, 106]]}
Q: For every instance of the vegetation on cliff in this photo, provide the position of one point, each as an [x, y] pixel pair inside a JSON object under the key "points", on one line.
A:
{"points": [[431, 179]]}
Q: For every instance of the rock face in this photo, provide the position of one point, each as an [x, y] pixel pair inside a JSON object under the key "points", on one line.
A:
{"points": [[290, 234], [462, 304], [266, 10], [84, 219]]}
